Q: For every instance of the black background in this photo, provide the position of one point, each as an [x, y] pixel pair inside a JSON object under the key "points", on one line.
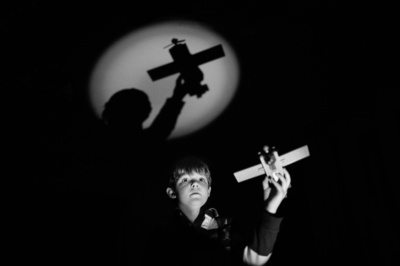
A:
{"points": [[322, 74]]}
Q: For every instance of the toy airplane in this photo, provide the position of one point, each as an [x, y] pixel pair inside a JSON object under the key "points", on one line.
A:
{"points": [[274, 164], [188, 65]]}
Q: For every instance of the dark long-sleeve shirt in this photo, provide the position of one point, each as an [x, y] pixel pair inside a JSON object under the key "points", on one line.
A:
{"points": [[210, 240]]}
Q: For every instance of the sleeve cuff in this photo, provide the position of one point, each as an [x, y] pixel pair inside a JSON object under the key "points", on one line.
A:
{"points": [[264, 236], [271, 221]]}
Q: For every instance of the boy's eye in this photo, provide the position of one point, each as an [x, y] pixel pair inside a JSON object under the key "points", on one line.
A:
{"points": [[202, 179], [184, 179]]}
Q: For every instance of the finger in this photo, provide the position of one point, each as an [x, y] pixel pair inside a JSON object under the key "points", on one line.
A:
{"points": [[266, 182], [288, 178], [278, 186], [283, 180]]}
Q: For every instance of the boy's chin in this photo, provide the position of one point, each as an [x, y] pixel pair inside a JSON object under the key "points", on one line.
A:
{"points": [[197, 201]]}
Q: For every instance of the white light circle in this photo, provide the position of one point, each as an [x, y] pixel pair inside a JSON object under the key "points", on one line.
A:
{"points": [[125, 65]]}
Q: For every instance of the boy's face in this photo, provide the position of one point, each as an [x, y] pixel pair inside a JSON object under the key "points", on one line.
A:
{"points": [[192, 190]]}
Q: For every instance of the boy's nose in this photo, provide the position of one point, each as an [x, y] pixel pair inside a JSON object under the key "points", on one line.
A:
{"points": [[195, 184]]}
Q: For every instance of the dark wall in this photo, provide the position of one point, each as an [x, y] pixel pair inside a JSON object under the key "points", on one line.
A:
{"points": [[321, 74]]}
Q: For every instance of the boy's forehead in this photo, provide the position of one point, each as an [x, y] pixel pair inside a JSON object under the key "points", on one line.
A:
{"points": [[194, 174]]}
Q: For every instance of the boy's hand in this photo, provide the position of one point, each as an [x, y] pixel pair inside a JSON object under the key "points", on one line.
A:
{"points": [[275, 191]]}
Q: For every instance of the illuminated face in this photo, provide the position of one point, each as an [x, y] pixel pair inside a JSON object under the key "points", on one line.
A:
{"points": [[192, 190]]}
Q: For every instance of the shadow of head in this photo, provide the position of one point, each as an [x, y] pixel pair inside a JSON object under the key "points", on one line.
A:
{"points": [[127, 108]]}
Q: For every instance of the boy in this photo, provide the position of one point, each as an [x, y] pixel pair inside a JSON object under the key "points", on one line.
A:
{"points": [[198, 236]]}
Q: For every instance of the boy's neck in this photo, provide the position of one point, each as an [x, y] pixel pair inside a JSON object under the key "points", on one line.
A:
{"points": [[190, 213]]}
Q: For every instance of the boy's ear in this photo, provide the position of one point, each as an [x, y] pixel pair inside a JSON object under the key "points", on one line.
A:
{"points": [[171, 193], [209, 191]]}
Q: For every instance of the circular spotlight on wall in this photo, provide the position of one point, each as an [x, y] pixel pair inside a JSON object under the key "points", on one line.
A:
{"points": [[126, 64]]}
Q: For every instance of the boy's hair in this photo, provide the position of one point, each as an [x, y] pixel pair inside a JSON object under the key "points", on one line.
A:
{"points": [[189, 165]]}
